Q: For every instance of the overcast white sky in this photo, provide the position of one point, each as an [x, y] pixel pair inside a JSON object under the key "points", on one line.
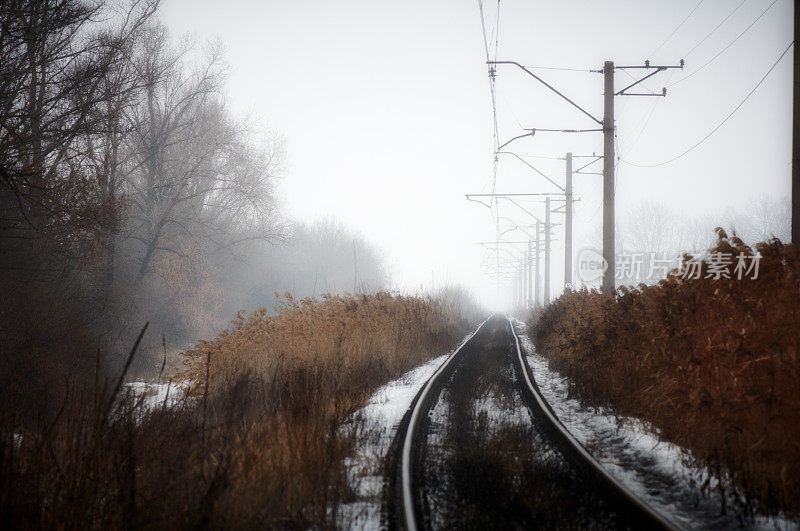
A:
{"points": [[386, 112]]}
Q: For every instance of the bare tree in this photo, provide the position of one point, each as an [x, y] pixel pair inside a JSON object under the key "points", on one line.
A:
{"points": [[195, 182], [650, 227], [766, 218], [121, 88], [55, 59]]}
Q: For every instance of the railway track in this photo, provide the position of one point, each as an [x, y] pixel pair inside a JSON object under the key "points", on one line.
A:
{"points": [[456, 462]]}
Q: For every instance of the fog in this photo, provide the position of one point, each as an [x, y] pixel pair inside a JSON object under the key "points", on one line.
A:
{"points": [[178, 161], [387, 117]]}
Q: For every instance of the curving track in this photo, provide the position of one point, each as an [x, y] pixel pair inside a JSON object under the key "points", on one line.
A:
{"points": [[480, 446]]}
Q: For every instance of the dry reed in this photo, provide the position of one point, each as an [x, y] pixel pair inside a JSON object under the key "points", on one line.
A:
{"points": [[258, 447], [713, 364]]}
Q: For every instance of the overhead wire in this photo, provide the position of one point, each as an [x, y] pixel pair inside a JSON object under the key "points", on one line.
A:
{"points": [[492, 89], [557, 68], [646, 122], [496, 32], [649, 114], [542, 157], [710, 33], [511, 110], [697, 144], [727, 46], [491, 77], [676, 29]]}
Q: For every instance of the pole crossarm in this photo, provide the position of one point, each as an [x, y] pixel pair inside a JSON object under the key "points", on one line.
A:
{"points": [[506, 197], [647, 65], [517, 227], [501, 242], [531, 214], [504, 144], [511, 195], [479, 202], [596, 159], [493, 246], [533, 130], [546, 84], [531, 166]]}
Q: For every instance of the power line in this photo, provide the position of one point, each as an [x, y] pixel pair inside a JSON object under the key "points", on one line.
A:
{"points": [[710, 33], [492, 89], [720, 124], [557, 68], [510, 109], [542, 157], [641, 131], [726, 47], [497, 31], [483, 28], [676, 29]]}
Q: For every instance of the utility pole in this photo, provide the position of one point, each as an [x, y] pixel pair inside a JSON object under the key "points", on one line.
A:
{"points": [[796, 132], [607, 127], [527, 284], [522, 282], [547, 251], [608, 177], [523, 279], [537, 302], [525, 265], [609, 287], [568, 225], [530, 273]]}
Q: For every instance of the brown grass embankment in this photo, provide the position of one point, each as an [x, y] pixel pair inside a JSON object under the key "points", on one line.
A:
{"points": [[713, 364], [260, 447]]}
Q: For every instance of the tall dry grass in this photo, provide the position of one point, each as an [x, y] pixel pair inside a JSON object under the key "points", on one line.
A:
{"points": [[256, 443], [713, 364]]}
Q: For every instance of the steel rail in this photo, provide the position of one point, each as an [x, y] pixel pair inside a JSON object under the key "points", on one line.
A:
{"points": [[641, 506], [409, 512]]}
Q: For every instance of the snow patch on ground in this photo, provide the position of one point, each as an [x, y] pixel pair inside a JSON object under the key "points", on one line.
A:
{"points": [[497, 411], [660, 472], [155, 394], [376, 425]]}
